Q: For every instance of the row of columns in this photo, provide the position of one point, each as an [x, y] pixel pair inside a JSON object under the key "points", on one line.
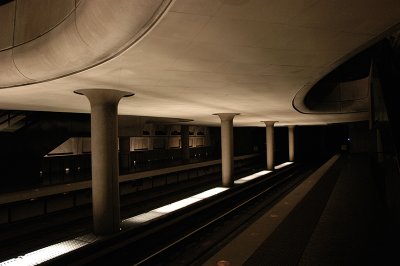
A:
{"points": [[105, 170], [227, 145]]}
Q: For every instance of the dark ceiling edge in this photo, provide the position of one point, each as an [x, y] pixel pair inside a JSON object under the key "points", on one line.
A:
{"points": [[298, 100]]}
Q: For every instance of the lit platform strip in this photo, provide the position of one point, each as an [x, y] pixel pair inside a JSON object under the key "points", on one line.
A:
{"points": [[50, 252], [282, 165], [145, 217], [251, 177], [44, 254]]}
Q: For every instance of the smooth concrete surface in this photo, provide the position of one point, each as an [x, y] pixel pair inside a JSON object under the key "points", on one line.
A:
{"points": [[53, 39], [105, 168], [291, 142], [352, 229], [7, 21], [286, 244], [76, 145], [269, 135], [242, 247], [227, 147], [201, 57]]}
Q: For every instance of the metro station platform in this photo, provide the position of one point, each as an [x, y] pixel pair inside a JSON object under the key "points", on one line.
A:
{"points": [[339, 221], [336, 216]]}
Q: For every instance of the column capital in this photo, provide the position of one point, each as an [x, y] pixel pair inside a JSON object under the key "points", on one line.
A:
{"points": [[103, 96], [105, 172], [226, 116], [269, 123], [291, 126]]}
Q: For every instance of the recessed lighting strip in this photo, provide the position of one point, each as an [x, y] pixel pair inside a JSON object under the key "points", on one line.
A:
{"points": [[282, 165]]}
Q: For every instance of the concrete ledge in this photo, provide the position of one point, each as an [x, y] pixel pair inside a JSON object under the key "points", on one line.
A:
{"points": [[240, 249]]}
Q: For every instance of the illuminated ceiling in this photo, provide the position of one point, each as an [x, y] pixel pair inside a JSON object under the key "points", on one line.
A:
{"points": [[186, 58]]}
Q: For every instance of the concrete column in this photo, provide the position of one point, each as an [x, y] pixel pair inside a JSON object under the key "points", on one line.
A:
{"points": [[104, 143], [125, 153], [76, 145], [291, 143], [185, 143], [227, 147], [270, 143]]}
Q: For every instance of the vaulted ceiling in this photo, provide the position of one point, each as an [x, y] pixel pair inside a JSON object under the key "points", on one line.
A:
{"points": [[185, 58]]}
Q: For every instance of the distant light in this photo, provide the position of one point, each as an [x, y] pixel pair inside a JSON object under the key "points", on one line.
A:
{"points": [[223, 263], [282, 165], [348, 139], [251, 177]]}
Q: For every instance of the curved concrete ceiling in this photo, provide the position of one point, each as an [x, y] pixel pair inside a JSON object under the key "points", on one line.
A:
{"points": [[237, 56], [49, 39]]}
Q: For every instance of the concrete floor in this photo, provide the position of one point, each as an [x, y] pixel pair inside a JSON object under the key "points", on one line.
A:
{"points": [[341, 221]]}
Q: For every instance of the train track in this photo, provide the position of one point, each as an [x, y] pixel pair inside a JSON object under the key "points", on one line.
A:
{"points": [[202, 242], [190, 235], [38, 232]]}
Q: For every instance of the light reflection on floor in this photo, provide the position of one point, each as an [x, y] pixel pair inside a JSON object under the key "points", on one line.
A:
{"points": [[145, 217], [282, 165], [47, 253], [251, 177]]}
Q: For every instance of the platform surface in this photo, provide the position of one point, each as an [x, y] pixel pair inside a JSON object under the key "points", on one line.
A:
{"points": [[339, 221]]}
